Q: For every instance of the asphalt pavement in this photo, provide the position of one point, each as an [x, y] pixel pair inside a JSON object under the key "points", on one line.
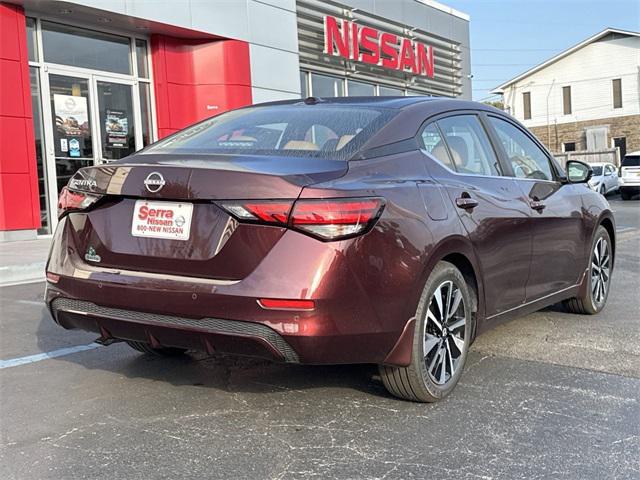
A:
{"points": [[550, 395]]}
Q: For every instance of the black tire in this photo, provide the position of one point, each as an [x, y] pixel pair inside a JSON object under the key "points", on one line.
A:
{"points": [[602, 191], [417, 382], [591, 302], [625, 195], [158, 352]]}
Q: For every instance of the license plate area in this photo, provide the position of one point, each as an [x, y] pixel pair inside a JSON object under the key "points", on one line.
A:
{"points": [[168, 220]]}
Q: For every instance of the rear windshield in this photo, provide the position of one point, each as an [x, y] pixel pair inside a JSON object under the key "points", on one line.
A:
{"points": [[631, 161], [316, 131]]}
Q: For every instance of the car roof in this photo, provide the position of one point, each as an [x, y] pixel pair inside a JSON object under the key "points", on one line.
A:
{"points": [[383, 102]]}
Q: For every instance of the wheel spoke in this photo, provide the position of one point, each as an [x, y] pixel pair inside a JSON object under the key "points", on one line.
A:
{"points": [[595, 267], [431, 316], [458, 341], [596, 285], [438, 296], [457, 324], [605, 274], [457, 298], [447, 308], [443, 364], [430, 341], [434, 363], [596, 252], [451, 368]]}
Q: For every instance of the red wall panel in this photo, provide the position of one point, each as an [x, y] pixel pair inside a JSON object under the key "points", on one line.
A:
{"points": [[19, 201], [196, 79]]}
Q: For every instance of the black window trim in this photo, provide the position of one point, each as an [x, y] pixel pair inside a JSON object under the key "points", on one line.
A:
{"points": [[558, 176]]}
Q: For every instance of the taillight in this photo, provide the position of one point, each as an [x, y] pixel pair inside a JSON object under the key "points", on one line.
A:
{"points": [[71, 200], [336, 218], [273, 212], [325, 219]]}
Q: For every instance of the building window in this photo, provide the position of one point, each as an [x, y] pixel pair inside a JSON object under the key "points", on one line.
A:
{"points": [[304, 93], [323, 86], [390, 92], [569, 147], [360, 89], [78, 47], [621, 143], [526, 100], [566, 100], [617, 93]]}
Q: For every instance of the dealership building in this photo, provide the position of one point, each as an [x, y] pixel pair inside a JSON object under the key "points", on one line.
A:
{"points": [[88, 82]]}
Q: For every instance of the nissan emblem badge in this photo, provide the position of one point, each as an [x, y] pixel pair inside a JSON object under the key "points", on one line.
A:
{"points": [[154, 182]]}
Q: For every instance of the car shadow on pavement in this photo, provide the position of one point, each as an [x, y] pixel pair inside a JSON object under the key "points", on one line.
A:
{"points": [[227, 373]]}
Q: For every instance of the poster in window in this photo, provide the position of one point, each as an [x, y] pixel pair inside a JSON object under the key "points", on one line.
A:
{"points": [[72, 115], [117, 127]]}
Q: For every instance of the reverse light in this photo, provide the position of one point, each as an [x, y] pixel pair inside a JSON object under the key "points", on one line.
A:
{"points": [[284, 304], [272, 212], [71, 200], [324, 219]]}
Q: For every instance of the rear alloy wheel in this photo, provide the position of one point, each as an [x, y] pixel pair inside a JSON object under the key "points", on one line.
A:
{"points": [[599, 277], [442, 336], [159, 352]]}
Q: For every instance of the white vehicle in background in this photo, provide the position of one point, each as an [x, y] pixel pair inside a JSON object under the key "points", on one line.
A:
{"points": [[605, 178], [629, 179]]}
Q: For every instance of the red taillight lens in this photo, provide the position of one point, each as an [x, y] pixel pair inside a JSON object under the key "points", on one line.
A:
{"points": [[336, 218], [71, 200], [326, 219]]}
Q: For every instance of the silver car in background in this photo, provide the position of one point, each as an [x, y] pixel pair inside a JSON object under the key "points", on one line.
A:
{"points": [[605, 178]]}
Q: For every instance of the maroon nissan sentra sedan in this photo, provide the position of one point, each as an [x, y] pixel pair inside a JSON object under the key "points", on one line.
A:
{"points": [[354, 230]]}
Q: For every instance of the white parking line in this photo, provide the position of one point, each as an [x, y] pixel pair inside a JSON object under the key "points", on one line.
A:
{"points": [[14, 362]]}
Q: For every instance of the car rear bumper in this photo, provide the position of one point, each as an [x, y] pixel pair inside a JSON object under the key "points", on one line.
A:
{"points": [[224, 316]]}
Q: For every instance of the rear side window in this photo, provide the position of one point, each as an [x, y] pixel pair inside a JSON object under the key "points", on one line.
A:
{"points": [[433, 143], [317, 131], [631, 161], [526, 158], [469, 145]]}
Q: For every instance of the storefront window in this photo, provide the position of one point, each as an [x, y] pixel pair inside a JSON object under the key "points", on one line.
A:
{"points": [[360, 89], [390, 92], [40, 163], [145, 105], [303, 85], [32, 44], [141, 58], [78, 47], [322, 86]]}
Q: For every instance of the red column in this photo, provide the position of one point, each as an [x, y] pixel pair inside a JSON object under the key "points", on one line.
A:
{"points": [[19, 199], [196, 79]]}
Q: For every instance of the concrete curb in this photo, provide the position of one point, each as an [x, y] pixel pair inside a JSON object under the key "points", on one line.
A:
{"points": [[25, 273]]}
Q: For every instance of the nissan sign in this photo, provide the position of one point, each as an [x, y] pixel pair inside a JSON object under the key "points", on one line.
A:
{"points": [[369, 45]]}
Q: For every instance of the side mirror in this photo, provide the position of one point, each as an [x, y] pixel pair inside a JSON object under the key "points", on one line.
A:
{"points": [[578, 172]]}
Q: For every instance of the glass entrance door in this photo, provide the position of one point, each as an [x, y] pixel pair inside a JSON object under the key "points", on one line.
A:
{"points": [[92, 119], [70, 127]]}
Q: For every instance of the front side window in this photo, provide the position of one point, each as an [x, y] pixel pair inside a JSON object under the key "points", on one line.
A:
{"points": [[526, 158], [469, 145], [299, 130], [433, 143]]}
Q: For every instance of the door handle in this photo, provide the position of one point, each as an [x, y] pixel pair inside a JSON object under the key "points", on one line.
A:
{"points": [[537, 205], [466, 203]]}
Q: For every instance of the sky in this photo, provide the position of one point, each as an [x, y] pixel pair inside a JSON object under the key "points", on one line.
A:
{"points": [[510, 36]]}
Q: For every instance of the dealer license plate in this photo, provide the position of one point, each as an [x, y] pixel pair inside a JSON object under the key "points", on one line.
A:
{"points": [[162, 220]]}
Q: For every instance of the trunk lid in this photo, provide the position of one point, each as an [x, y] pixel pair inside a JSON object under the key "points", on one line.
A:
{"points": [[216, 245]]}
